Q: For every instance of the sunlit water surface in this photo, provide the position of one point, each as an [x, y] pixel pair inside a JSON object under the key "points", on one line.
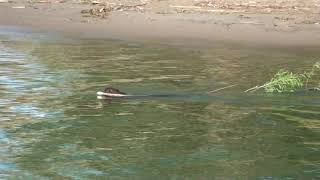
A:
{"points": [[53, 127]]}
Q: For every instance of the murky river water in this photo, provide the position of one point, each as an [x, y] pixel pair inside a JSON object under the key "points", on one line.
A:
{"points": [[53, 127]]}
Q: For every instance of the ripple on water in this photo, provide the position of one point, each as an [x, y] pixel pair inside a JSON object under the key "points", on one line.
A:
{"points": [[57, 129]]}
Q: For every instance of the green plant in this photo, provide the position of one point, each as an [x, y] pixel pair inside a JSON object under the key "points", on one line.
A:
{"points": [[285, 81]]}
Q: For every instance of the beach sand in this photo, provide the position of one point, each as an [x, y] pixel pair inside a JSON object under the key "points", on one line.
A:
{"points": [[264, 22]]}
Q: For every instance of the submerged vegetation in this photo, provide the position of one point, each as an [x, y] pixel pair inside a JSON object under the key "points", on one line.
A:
{"points": [[285, 81]]}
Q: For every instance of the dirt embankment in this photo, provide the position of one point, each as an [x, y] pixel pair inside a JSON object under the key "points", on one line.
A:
{"points": [[287, 22]]}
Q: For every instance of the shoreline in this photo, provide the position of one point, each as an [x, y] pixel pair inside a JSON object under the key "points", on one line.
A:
{"points": [[249, 29]]}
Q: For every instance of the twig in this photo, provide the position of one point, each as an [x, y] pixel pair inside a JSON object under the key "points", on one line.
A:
{"points": [[130, 6], [255, 88], [216, 90]]}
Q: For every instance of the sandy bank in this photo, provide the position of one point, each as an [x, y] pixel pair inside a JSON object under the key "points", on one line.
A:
{"points": [[168, 24]]}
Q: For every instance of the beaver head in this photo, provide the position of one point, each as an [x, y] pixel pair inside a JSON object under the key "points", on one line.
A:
{"points": [[112, 90]]}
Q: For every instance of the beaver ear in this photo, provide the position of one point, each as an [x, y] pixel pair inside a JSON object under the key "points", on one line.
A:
{"points": [[107, 89]]}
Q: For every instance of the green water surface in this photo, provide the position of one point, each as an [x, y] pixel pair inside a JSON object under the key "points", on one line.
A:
{"points": [[53, 127]]}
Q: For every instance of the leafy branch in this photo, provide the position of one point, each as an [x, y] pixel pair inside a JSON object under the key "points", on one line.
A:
{"points": [[285, 81]]}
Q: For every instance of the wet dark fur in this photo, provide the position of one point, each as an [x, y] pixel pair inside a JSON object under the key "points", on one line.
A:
{"points": [[112, 90]]}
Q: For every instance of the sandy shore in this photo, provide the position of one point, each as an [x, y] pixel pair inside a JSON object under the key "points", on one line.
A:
{"points": [[181, 21]]}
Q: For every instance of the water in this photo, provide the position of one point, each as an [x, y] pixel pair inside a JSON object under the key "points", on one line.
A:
{"points": [[53, 127]]}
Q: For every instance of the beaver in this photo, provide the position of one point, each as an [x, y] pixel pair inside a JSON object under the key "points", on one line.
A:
{"points": [[110, 92], [113, 92]]}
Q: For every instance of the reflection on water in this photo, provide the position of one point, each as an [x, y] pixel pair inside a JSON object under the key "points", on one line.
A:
{"points": [[52, 125]]}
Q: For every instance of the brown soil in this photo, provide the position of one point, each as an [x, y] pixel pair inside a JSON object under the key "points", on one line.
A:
{"points": [[274, 22]]}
